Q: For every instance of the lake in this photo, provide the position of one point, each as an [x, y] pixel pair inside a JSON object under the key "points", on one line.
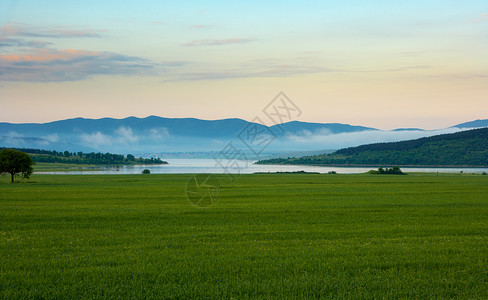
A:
{"points": [[193, 166]]}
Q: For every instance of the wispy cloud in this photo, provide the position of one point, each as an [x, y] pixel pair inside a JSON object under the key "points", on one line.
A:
{"points": [[28, 57], [96, 139], [122, 138], [280, 70], [122, 135], [160, 133], [24, 30], [126, 135], [275, 71], [44, 65], [265, 67], [53, 138], [20, 42], [217, 42], [20, 35], [281, 67]]}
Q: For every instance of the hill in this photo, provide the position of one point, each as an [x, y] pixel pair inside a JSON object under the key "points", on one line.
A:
{"points": [[465, 148], [296, 127], [155, 134], [473, 124], [150, 134], [176, 126]]}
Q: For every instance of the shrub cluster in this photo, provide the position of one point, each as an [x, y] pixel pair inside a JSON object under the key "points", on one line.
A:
{"points": [[393, 171]]}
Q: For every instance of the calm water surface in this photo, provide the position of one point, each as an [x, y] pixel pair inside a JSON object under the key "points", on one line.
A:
{"points": [[192, 166]]}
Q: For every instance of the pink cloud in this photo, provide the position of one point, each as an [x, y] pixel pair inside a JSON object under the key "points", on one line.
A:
{"points": [[46, 65], [44, 55]]}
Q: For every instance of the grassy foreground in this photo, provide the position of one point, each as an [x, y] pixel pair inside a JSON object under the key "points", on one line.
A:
{"points": [[53, 167], [268, 236]]}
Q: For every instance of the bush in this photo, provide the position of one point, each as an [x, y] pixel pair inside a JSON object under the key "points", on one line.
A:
{"points": [[484, 173], [332, 172], [146, 171], [394, 171]]}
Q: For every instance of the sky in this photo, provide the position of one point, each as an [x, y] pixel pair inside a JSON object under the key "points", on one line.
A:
{"points": [[383, 64]]}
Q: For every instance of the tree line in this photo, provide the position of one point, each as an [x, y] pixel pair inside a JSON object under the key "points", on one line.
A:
{"points": [[466, 148], [463, 136], [95, 158]]}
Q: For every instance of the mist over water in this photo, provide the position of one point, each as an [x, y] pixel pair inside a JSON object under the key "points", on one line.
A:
{"points": [[157, 135]]}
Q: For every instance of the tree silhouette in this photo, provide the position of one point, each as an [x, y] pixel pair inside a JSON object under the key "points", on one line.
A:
{"points": [[15, 162]]}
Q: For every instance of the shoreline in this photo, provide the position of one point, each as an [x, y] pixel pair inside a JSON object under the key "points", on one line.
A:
{"points": [[376, 165]]}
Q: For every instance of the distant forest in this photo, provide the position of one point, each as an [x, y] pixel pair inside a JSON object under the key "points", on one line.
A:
{"points": [[52, 156], [465, 148]]}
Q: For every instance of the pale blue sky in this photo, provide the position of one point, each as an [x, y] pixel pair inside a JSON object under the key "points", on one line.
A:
{"points": [[378, 63]]}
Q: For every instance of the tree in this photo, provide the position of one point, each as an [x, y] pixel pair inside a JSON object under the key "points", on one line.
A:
{"points": [[14, 162], [146, 171], [396, 170]]}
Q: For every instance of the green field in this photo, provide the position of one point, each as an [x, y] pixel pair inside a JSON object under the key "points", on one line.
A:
{"points": [[267, 236], [54, 167]]}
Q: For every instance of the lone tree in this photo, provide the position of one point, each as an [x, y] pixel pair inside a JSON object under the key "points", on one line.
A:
{"points": [[14, 162]]}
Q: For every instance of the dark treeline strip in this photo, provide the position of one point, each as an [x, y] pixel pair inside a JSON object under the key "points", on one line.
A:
{"points": [[92, 158], [462, 136], [466, 148]]}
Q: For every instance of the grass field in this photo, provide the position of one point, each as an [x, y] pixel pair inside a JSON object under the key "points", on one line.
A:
{"points": [[53, 167], [267, 236]]}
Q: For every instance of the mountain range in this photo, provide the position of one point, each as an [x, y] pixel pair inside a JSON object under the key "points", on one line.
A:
{"points": [[155, 134]]}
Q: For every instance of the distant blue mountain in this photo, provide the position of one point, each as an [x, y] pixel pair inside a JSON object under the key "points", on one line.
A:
{"points": [[473, 124], [41, 143], [183, 126], [408, 129], [157, 134], [149, 134], [300, 128]]}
